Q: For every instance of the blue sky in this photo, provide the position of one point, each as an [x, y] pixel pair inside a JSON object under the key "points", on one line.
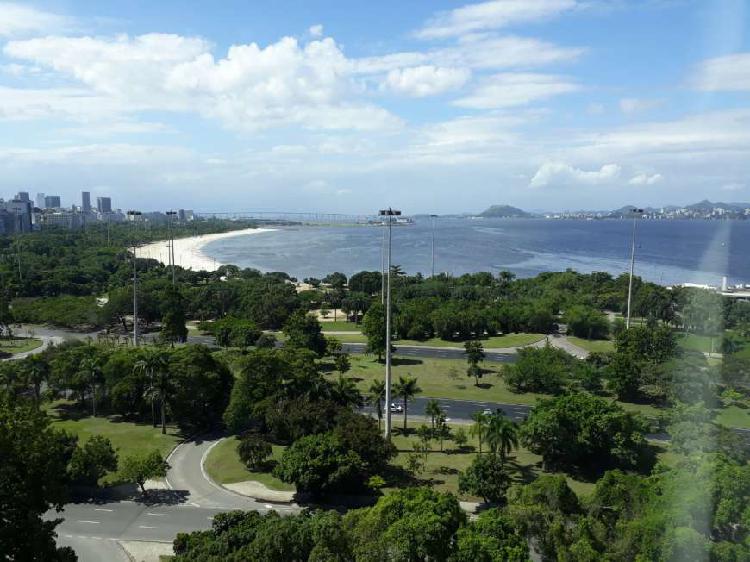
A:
{"points": [[351, 106]]}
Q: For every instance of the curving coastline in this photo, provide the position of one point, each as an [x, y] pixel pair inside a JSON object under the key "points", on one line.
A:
{"points": [[188, 252]]}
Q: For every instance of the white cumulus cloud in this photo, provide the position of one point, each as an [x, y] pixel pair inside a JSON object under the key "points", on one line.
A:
{"points": [[426, 80], [561, 173], [17, 19], [631, 106]]}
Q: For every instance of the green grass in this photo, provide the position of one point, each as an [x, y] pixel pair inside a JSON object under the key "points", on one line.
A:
{"points": [[127, 438], [442, 468], [224, 466], [592, 346], [340, 326], [734, 416], [440, 378], [508, 340], [19, 345], [698, 343]]}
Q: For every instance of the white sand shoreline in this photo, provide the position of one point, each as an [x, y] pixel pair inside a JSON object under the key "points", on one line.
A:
{"points": [[188, 252]]}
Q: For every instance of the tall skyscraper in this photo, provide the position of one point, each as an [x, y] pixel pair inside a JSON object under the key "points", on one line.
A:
{"points": [[85, 201], [23, 196], [52, 202], [40, 200], [104, 204]]}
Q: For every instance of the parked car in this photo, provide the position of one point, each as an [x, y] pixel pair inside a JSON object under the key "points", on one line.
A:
{"points": [[487, 411]]}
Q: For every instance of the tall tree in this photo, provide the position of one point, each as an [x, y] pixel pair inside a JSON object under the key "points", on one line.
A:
{"points": [[155, 364], [92, 371], [36, 369], [407, 389], [32, 481], [479, 427], [173, 329], [501, 435], [433, 409], [373, 326], [303, 330], [375, 396], [474, 356]]}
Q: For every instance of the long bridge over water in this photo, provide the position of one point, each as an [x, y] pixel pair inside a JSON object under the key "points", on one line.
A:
{"points": [[294, 217]]}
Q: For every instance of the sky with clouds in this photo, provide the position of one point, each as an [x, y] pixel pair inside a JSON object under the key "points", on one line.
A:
{"points": [[351, 106]]}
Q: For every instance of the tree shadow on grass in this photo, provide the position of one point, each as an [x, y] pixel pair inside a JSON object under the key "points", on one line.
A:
{"points": [[522, 473], [396, 361]]}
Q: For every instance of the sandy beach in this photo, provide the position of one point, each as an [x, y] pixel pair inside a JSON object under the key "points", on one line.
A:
{"points": [[188, 252]]}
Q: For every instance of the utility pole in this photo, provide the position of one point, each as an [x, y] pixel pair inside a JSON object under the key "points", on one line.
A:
{"points": [[135, 284], [170, 214], [382, 267], [636, 212], [433, 217], [389, 214]]}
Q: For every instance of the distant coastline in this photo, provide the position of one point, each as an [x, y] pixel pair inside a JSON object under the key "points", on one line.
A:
{"points": [[188, 252]]}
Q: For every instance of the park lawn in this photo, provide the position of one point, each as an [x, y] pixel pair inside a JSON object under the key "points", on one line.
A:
{"points": [[19, 345], [734, 416], [592, 346], [698, 343], [127, 438], [340, 326], [493, 342], [440, 378], [224, 466], [348, 338], [442, 468]]}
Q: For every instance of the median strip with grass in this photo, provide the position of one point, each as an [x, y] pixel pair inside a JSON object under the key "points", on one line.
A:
{"points": [[19, 345], [224, 466]]}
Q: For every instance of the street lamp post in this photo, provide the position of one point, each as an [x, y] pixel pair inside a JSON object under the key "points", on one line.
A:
{"points": [[135, 284], [636, 212], [170, 214], [389, 214], [382, 267], [433, 217]]}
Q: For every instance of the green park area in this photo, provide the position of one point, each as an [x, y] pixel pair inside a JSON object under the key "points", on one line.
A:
{"points": [[592, 346], [19, 345], [340, 326], [128, 438], [493, 342], [224, 466]]}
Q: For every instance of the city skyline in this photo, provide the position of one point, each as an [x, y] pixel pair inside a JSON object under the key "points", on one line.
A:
{"points": [[304, 106]]}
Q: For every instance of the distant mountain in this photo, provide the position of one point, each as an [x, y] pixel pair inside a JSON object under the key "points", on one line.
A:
{"points": [[707, 205], [505, 211]]}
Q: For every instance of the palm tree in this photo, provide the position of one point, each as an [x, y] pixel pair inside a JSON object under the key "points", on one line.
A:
{"points": [[407, 389], [345, 392], [433, 409], [501, 435], [155, 365], [92, 370], [37, 371], [479, 428], [375, 396]]}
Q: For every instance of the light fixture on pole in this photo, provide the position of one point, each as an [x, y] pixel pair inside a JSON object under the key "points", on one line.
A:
{"points": [[388, 214], [636, 214], [135, 284]]}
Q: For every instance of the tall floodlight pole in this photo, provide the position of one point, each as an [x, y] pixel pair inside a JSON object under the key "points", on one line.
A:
{"points": [[135, 284], [170, 214], [388, 214], [636, 212], [433, 217], [382, 267]]}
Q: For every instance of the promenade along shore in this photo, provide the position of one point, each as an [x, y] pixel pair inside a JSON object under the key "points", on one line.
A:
{"points": [[188, 252]]}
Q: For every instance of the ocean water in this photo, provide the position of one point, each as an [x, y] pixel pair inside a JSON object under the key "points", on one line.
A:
{"points": [[667, 252]]}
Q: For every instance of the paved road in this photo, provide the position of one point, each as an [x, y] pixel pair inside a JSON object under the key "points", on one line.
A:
{"points": [[189, 504], [354, 348]]}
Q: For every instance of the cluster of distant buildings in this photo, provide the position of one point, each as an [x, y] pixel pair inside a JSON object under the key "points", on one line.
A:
{"points": [[704, 210], [20, 214]]}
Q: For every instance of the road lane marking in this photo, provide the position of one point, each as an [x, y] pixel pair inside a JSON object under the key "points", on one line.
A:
{"points": [[85, 521], [194, 504], [102, 509], [145, 527], [268, 506], [157, 514]]}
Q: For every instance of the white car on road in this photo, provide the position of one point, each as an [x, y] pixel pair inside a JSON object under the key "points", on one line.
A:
{"points": [[396, 408]]}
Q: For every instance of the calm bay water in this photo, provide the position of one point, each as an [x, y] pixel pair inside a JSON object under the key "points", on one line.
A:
{"points": [[667, 251]]}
